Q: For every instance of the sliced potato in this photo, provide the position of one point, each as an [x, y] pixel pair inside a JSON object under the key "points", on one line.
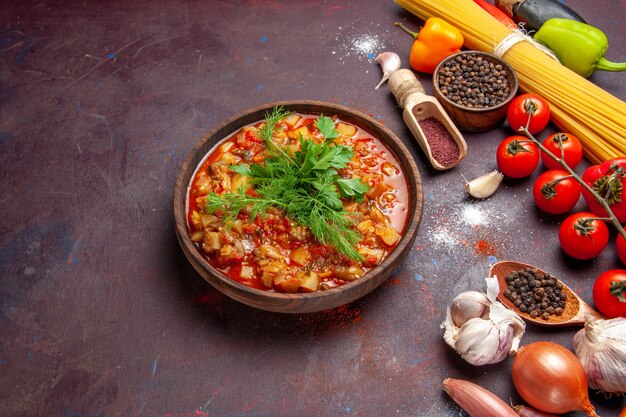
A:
{"points": [[372, 256], [345, 129], [212, 241], [227, 250], [389, 169], [197, 236], [247, 272], [300, 256], [274, 267], [304, 131], [287, 282], [229, 158], [196, 219], [240, 180], [310, 281], [365, 227], [388, 235], [380, 189], [377, 215], [225, 147], [267, 279], [209, 220], [292, 119], [350, 273], [269, 251]]}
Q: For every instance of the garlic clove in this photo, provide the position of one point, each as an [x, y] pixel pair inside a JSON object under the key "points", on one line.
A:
{"points": [[478, 341], [493, 288], [507, 318], [485, 185], [389, 63], [468, 305]]}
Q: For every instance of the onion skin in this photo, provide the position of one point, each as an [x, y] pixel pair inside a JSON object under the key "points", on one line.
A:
{"points": [[525, 411], [476, 400], [623, 413], [550, 378]]}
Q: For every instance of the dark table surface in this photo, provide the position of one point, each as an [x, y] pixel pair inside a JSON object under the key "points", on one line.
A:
{"points": [[100, 313]]}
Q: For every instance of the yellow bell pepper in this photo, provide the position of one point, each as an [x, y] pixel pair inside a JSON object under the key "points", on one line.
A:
{"points": [[436, 41]]}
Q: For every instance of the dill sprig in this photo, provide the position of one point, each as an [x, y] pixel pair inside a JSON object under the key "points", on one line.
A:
{"points": [[305, 185]]}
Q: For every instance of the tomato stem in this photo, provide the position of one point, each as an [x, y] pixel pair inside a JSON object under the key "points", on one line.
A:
{"points": [[618, 289], [602, 200]]}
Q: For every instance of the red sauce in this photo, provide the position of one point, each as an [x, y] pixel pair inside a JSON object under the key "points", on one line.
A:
{"points": [[275, 253]]}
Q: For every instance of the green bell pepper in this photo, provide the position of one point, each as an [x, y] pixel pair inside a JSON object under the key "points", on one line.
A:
{"points": [[579, 46]]}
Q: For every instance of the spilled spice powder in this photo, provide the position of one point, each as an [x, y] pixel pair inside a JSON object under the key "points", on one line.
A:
{"points": [[484, 248], [442, 145]]}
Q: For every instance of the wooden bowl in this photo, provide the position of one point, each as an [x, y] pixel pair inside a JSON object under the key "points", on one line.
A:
{"points": [[476, 119], [299, 302]]}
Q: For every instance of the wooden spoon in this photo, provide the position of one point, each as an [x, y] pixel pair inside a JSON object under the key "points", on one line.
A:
{"points": [[575, 309], [418, 106]]}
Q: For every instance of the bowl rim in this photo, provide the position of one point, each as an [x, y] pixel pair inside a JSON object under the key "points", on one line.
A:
{"points": [[234, 123], [493, 57]]}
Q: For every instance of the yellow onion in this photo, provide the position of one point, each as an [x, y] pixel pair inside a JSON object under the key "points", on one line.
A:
{"points": [[550, 378]]}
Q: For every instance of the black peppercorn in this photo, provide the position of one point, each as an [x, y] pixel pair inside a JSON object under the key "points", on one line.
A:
{"points": [[539, 295], [470, 76]]}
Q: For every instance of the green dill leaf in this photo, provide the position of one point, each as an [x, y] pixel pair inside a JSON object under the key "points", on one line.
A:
{"points": [[327, 127], [267, 130]]}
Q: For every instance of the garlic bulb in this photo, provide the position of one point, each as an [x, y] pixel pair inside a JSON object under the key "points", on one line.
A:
{"points": [[601, 348], [389, 63], [481, 329], [485, 185]]}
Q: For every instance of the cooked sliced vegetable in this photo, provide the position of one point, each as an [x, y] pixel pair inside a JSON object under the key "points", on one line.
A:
{"points": [[534, 13], [346, 130]]}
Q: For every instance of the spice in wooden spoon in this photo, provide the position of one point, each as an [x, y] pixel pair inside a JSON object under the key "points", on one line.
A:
{"points": [[574, 310]]}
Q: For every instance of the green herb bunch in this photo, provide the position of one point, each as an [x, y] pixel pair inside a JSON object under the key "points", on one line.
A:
{"points": [[305, 185]]}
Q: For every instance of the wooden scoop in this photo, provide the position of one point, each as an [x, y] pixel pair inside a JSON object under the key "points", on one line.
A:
{"points": [[575, 309], [418, 106]]}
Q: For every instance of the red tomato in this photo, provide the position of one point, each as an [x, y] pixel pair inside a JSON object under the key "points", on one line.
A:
{"points": [[517, 157], [565, 146], [620, 247], [527, 106], [582, 236], [556, 192], [609, 293], [607, 179]]}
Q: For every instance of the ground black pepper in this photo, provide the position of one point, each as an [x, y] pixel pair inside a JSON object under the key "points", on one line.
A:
{"points": [[473, 81], [442, 145], [539, 295]]}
